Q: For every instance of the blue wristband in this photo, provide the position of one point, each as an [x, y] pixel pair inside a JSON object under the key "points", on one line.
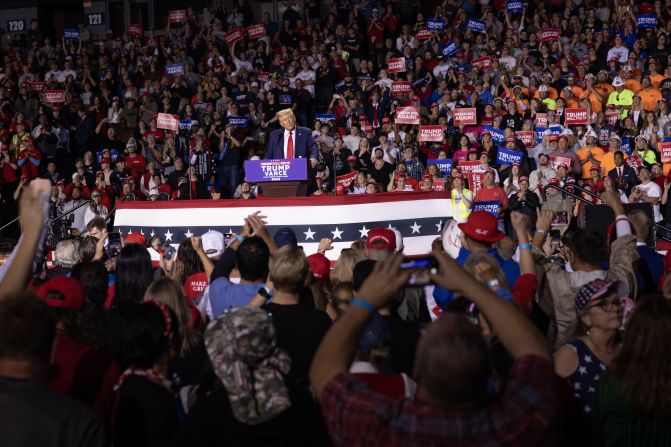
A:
{"points": [[239, 238], [361, 303], [525, 246]]}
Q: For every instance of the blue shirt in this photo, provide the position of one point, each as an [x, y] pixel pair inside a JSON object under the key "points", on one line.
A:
{"points": [[225, 295], [650, 268], [510, 268]]}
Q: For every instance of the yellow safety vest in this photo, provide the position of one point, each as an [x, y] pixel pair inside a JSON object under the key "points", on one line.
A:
{"points": [[460, 210]]}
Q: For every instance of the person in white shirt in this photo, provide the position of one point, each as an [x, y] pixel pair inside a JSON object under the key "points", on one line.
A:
{"points": [[440, 70], [308, 76], [390, 151], [619, 50], [78, 214], [95, 209], [542, 175], [352, 140], [67, 71], [647, 192]]}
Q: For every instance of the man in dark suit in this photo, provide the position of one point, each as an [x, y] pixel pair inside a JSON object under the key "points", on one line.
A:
{"points": [[291, 141], [651, 263], [623, 175]]}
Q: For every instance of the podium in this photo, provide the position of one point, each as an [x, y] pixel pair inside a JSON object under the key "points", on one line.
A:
{"points": [[279, 178]]}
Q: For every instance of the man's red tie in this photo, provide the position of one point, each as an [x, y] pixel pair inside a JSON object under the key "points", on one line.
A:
{"points": [[290, 145]]}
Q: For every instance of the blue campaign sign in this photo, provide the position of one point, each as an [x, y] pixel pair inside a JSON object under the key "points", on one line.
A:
{"points": [[186, 125], [276, 170], [449, 49], [646, 21], [508, 157], [475, 25], [325, 117], [238, 121], [515, 6], [174, 69], [498, 136], [71, 34], [436, 24], [491, 207], [626, 146], [556, 130], [445, 166]]}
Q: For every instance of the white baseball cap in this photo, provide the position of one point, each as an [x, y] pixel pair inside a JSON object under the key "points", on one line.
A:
{"points": [[213, 243], [618, 81]]}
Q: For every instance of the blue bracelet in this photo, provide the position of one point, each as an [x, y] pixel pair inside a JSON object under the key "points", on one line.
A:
{"points": [[361, 303], [525, 246], [240, 238]]}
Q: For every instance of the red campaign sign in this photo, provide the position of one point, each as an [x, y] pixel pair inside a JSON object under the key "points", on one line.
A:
{"points": [[256, 31], [612, 116], [396, 65], [468, 166], [438, 185], [541, 120], [177, 16], [37, 86], [483, 63], [576, 116], [465, 116], [556, 161], [665, 150], [262, 76], [54, 95], [475, 181], [167, 121], [233, 36], [527, 137], [135, 29], [423, 34], [400, 87], [548, 34], [407, 115], [431, 133], [343, 182]]}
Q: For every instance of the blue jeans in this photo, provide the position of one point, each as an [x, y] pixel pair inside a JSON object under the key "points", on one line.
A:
{"points": [[228, 179]]}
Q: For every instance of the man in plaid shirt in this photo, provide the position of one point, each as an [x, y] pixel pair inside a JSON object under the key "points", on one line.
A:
{"points": [[453, 404], [415, 167]]}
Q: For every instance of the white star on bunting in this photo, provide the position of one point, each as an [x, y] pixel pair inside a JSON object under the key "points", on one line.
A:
{"points": [[364, 231], [439, 226], [188, 233], [415, 228], [337, 234], [168, 235], [309, 234], [152, 234]]}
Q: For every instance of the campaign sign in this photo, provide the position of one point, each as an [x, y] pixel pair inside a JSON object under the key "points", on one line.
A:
{"points": [[175, 69], [665, 150], [177, 16], [54, 95], [465, 116], [498, 136], [71, 34], [483, 63], [325, 117], [37, 86], [400, 87], [436, 24], [423, 34], [492, 207], [233, 36], [468, 166], [526, 136], [343, 182], [575, 116], [626, 146], [135, 29], [238, 121], [276, 170], [438, 185], [167, 121], [263, 76], [431, 133], [541, 119], [396, 65], [646, 21], [555, 130], [256, 31], [186, 125], [407, 115], [514, 6], [612, 116], [449, 49], [508, 157], [475, 25], [444, 166], [555, 161], [475, 181], [549, 34]]}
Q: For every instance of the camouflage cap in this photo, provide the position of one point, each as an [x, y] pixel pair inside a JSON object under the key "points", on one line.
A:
{"points": [[243, 349]]}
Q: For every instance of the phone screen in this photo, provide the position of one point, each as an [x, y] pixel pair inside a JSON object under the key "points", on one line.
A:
{"points": [[113, 244], [421, 268], [227, 239], [560, 219]]}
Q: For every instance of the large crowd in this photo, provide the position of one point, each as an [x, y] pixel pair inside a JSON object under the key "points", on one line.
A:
{"points": [[539, 331]]}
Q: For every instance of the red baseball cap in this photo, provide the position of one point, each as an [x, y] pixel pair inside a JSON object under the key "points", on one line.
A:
{"points": [[320, 266], [553, 181], [194, 285], [523, 178], [136, 238], [386, 120], [70, 289], [482, 226], [553, 137], [457, 175], [381, 239], [351, 158]]}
